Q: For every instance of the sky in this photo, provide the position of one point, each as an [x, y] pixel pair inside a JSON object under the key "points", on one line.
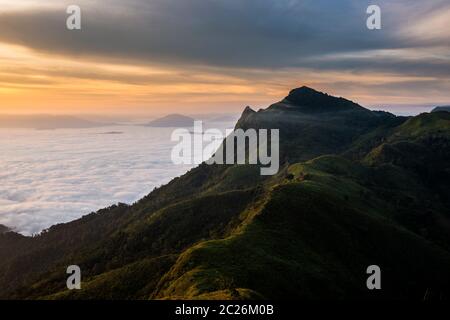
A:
{"points": [[197, 56]]}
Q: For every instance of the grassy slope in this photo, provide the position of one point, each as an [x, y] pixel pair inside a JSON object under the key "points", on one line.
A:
{"points": [[324, 227], [221, 232], [313, 238]]}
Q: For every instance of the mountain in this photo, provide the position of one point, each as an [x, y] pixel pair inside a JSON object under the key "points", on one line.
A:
{"points": [[3, 229], [356, 188], [313, 123], [308, 100], [47, 122], [443, 108], [172, 120]]}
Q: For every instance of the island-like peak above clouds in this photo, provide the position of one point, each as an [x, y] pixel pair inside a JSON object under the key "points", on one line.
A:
{"points": [[172, 120]]}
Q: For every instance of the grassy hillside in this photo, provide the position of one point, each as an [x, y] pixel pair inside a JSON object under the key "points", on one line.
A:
{"points": [[281, 254], [355, 188]]}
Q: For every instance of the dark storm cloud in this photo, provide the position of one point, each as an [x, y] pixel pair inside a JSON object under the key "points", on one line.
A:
{"points": [[226, 33], [253, 32], [436, 67]]}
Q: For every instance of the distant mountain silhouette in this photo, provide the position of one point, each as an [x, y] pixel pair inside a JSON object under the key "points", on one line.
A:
{"points": [[111, 132], [172, 120], [442, 108], [355, 188]]}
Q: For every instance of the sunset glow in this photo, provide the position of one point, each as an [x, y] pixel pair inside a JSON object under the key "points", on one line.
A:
{"points": [[72, 74]]}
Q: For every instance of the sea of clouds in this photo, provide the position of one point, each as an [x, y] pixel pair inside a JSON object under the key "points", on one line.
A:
{"points": [[55, 176]]}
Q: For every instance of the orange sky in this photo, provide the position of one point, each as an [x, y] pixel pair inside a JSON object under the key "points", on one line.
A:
{"points": [[33, 80]]}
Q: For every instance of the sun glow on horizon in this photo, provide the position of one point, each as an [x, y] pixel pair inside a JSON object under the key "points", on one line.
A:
{"points": [[37, 79]]}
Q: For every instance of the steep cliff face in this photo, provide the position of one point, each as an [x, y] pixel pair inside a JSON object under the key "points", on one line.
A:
{"points": [[355, 188]]}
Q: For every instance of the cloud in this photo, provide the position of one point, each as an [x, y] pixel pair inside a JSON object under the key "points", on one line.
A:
{"points": [[229, 33], [50, 177], [227, 51]]}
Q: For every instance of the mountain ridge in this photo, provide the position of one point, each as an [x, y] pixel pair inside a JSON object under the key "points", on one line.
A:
{"points": [[309, 100], [349, 193], [441, 108]]}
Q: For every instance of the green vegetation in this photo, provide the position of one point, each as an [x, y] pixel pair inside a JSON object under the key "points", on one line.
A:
{"points": [[355, 188]]}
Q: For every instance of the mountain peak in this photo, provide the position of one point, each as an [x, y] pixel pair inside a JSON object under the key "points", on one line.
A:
{"points": [[304, 93], [309, 100], [305, 89], [248, 110]]}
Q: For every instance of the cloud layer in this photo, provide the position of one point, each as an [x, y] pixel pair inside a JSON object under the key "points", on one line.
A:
{"points": [[253, 33], [49, 177]]}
